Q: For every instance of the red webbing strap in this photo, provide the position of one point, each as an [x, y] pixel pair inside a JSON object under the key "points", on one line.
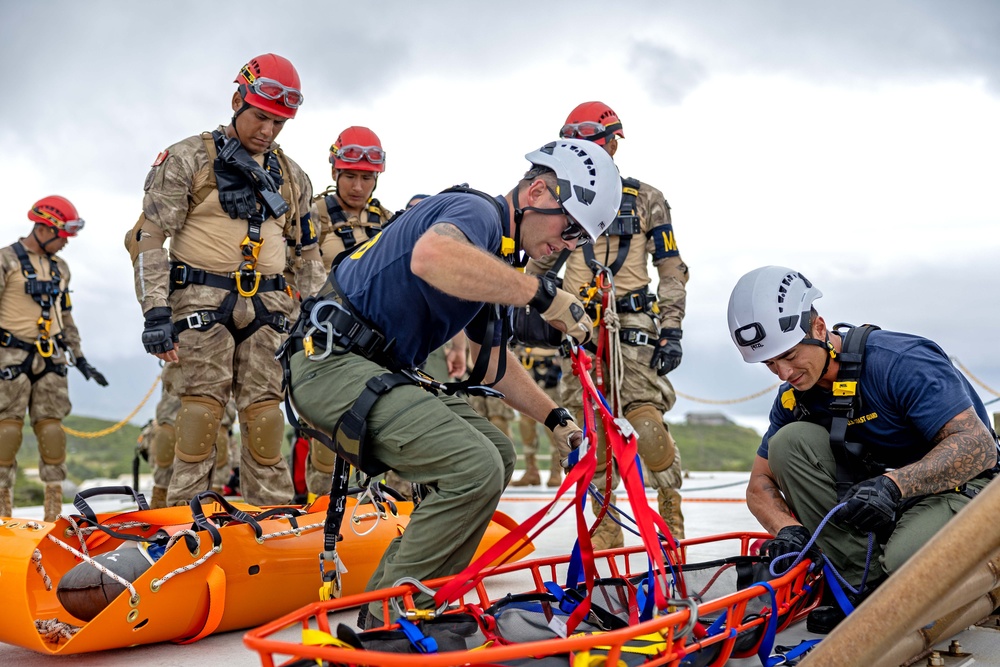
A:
{"points": [[580, 475], [646, 519]]}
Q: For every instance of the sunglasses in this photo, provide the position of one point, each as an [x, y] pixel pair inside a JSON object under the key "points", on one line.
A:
{"points": [[574, 230], [355, 153], [270, 89]]}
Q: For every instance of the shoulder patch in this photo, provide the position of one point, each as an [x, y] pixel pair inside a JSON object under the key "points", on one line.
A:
{"points": [[164, 154]]}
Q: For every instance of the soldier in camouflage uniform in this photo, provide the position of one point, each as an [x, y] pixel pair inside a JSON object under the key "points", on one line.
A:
{"points": [[228, 201], [38, 341], [650, 332], [545, 367], [347, 216]]}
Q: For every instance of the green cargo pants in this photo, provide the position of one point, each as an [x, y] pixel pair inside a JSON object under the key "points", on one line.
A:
{"points": [[439, 441], [801, 459]]}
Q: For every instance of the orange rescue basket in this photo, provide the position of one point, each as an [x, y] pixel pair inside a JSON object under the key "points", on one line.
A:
{"points": [[662, 640]]}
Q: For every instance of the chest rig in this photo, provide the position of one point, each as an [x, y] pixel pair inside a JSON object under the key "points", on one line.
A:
{"points": [[44, 293], [247, 281]]}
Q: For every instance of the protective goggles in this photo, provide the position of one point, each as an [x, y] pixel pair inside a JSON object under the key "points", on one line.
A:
{"points": [[588, 130], [270, 89], [68, 228], [355, 153]]}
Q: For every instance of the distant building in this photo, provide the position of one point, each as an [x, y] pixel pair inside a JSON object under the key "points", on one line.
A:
{"points": [[707, 419]]}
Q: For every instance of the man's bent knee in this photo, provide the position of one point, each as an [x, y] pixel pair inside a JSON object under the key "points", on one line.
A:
{"points": [[795, 442], [197, 427], [264, 426], [164, 440], [323, 458], [11, 432], [51, 441], [655, 444]]}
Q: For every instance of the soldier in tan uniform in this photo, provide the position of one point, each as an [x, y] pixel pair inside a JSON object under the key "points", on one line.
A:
{"points": [[545, 367], [228, 200], [650, 331], [347, 216], [38, 342]]}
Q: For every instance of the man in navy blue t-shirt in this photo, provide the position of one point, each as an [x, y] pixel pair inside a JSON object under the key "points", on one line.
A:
{"points": [[443, 267], [899, 461]]}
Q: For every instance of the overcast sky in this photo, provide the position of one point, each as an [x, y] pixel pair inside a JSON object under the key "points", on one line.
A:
{"points": [[856, 141]]}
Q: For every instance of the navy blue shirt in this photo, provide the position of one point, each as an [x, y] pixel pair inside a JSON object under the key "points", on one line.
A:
{"points": [[378, 282], [909, 390]]}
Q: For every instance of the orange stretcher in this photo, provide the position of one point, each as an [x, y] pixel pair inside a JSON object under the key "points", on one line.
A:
{"points": [[666, 639], [187, 594]]}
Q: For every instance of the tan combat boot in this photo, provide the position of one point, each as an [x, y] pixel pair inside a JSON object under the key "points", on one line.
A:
{"points": [[159, 498], [6, 502], [670, 510], [53, 501], [608, 534], [555, 471], [531, 476]]}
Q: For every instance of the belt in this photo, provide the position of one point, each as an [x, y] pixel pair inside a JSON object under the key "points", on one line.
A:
{"points": [[636, 337], [182, 275], [347, 330]]}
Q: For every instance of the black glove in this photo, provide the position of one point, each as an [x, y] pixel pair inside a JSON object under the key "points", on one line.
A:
{"points": [[870, 505], [90, 372], [667, 353], [236, 194], [158, 334], [790, 540]]}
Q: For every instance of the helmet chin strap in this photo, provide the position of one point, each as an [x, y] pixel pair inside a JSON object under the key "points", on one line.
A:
{"points": [[519, 215], [826, 345], [42, 244]]}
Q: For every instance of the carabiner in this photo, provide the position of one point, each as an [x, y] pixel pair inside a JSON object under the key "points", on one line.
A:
{"points": [[45, 352], [255, 275]]}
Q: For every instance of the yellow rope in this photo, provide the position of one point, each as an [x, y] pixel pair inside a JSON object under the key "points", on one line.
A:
{"points": [[731, 400], [973, 377], [112, 429]]}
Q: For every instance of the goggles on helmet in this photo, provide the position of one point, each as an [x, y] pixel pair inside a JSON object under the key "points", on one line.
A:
{"points": [[270, 89], [355, 153], [588, 130], [68, 228]]}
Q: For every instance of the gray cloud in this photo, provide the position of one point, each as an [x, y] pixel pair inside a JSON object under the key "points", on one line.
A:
{"points": [[670, 76]]}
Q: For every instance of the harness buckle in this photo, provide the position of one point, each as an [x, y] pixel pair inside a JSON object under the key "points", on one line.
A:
{"points": [[181, 279], [634, 337], [6, 338], [9, 373], [637, 301], [195, 321], [43, 351], [251, 248], [44, 325], [241, 276]]}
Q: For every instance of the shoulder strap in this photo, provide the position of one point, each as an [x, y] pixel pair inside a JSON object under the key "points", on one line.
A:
{"points": [[211, 140], [847, 400]]}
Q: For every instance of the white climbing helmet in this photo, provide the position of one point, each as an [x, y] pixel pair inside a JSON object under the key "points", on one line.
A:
{"points": [[769, 312], [589, 185]]}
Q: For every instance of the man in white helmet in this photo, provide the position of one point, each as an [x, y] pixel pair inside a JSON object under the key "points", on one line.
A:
{"points": [[877, 421], [445, 266]]}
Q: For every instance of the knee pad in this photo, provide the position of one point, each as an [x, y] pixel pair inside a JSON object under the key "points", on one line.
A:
{"points": [[51, 441], [11, 432], [222, 447], [164, 439], [263, 427], [655, 444], [323, 458], [197, 427]]}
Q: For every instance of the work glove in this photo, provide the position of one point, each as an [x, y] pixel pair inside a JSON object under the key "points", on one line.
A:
{"points": [[562, 310], [667, 353], [789, 540], [566, 435], [236, 194], [158, 334], [90, 372], [870, 505]]}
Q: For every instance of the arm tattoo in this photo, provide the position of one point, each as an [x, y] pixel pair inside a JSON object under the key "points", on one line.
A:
{"points": [[963, 448], [449, 230]]}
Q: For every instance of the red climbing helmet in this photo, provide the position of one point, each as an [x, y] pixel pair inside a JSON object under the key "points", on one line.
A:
{"points": [[358, 148], [593, 121], [270, 83], [58, 212]]}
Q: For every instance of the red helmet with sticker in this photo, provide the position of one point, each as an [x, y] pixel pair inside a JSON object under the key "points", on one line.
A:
{"points": [[358, 148], [58, 212], [593, 121], [270, 83]]}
